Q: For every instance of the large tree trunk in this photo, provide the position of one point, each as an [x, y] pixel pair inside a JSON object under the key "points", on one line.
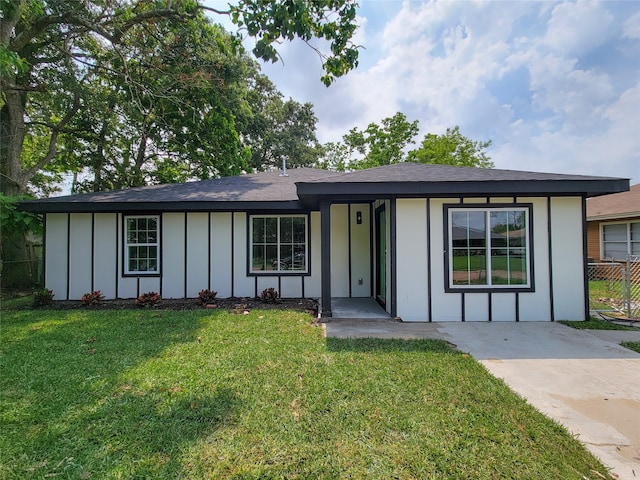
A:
{"points": [[15, 265]]}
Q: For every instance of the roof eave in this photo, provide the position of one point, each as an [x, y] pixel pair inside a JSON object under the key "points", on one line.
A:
{"points": [[125, 207]]}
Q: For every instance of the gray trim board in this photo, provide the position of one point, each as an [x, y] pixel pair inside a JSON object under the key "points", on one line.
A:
{"points": [[325, 258]]}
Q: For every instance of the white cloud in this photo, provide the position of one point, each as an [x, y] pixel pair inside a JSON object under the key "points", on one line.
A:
{"points": [[577, 27], [632, 27]]}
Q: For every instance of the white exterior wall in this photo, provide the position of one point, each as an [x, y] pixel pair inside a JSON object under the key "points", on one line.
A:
{"points": [[197, 253], [56, 250], [339, 251], [312, 283], [221, 258], [536, 306], [105, 240], [360, 251], [567, 258], [411, 259], [172, 250], [445, 307]]}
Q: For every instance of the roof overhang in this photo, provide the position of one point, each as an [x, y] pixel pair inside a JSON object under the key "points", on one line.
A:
{"points": [[52, 206], [311, 193]]}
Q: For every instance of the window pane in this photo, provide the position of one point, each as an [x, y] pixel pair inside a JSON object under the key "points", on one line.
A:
{"points": [[258, 257], [258, 230], [271, 230], [509, 267], [142, 237], [286, 257], [299, 229], [469, 268], [468, 229], [286, 230], [142, 224], [132, 236], [152, 224], [617, 250], [299, 257], [614, 233], [635, 231], [271, 257], [635, 248]]}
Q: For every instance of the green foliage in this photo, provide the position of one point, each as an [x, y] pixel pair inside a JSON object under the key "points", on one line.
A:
{"points": [[148, 299], [596, 324], [92, 298], [389, 143], [207, 296], [16, 221], [635, 346], [269, 295], [451, 148], [43, 297]]}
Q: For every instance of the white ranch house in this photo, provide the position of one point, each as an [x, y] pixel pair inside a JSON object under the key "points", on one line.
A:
{"points": [[428, 242]]}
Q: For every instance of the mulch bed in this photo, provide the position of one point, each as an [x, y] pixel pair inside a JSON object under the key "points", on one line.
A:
{"points": [[234, 305]]}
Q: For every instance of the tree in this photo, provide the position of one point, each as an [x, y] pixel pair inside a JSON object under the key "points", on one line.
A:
{"points": [[50, 47], [69, 75], [381, 145], [451, 148], [278, 130]]}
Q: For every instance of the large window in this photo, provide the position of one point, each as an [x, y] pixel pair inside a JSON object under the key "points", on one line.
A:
{"points": [[142, 245], [488, 247], [278, 244], [620, 240]]}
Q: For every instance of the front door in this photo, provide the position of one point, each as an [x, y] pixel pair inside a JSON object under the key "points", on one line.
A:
{"points": [[381, 255]]}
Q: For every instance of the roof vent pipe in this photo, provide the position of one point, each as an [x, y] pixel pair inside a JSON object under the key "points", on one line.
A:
{"points": [[284, 168]]}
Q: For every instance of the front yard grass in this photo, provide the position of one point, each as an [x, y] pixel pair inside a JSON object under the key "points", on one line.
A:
{"points": [[596, 324], [195, 394]]}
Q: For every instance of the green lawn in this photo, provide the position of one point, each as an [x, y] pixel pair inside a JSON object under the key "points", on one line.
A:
{"points": [[196, 394]]}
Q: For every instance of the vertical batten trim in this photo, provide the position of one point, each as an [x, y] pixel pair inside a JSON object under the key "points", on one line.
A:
{"points": [[371, 249], [550, 256], [118, 256], [517, 299], [429, 305], [490, 307], [44, 250], [325, 258], [233, 246], [93, 249], [585, 255], [186, 260], [161, 255], [349, 247], [463, 306], [68, 253], [208, 250], [394, 263]]}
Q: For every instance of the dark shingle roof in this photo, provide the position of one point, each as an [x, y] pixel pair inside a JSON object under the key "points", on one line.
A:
{"points": [[305, 187]]}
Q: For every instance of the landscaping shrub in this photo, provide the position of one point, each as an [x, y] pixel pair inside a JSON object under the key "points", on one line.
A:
{"points": [[43, 297], [148, 299], [206, 296], [269, 295], [92, 298]]}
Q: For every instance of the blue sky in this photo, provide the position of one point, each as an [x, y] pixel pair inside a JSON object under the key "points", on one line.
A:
{"points": [[554, 85]]}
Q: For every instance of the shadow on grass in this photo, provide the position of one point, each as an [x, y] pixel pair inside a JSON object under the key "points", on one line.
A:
{"points": [[82, 396], [387, 345]]}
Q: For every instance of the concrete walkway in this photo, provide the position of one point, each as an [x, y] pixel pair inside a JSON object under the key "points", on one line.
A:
{"points": [[581, 378]]}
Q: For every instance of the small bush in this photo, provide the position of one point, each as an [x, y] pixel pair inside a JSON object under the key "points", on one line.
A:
{"points": [[269, 295], [42, 297], [92, 298], [206, 296], [148, 299]]}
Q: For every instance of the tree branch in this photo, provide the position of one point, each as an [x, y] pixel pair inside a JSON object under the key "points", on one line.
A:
{"points": [[55, 131]]}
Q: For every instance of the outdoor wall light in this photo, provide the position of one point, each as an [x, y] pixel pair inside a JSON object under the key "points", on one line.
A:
{"points": [[359, 218]]}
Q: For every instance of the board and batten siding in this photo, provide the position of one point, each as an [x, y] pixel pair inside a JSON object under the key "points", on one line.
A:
{"points": [[350, 251], [556, 249], [199, 250]]}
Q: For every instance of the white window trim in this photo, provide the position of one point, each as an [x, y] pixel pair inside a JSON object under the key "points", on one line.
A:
{"points": [[487, 210], [126, 245], [629, 241], [279, 272]]}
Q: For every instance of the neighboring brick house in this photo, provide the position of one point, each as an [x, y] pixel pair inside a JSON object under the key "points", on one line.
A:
{"points": [[613, 225]]}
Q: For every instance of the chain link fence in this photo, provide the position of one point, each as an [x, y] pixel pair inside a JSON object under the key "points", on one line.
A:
{"points": [[614, 288]]}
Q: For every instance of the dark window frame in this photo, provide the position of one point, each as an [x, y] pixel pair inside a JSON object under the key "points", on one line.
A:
{"points": [[279, 272], [125, 246], [449, 287]]}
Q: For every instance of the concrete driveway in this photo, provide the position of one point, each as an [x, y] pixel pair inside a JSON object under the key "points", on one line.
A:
{"points": [[581, 378]]}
